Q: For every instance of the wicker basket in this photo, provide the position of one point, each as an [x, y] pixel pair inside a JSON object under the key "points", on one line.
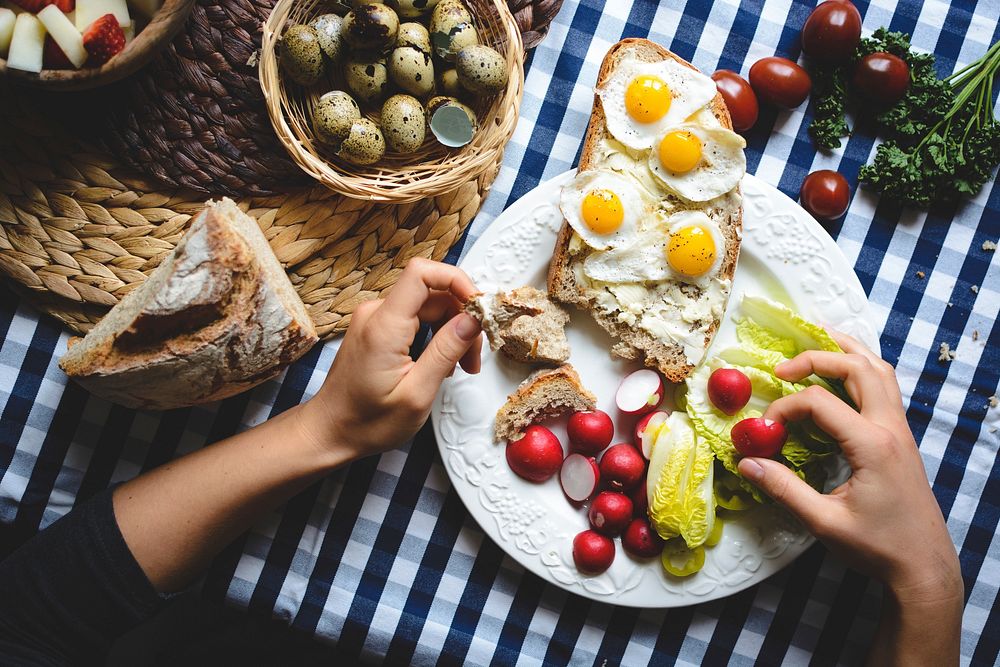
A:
{"points": [[433, 169]]}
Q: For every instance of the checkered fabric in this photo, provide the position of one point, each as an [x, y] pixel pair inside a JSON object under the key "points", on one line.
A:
{"points": [[382, 559]]}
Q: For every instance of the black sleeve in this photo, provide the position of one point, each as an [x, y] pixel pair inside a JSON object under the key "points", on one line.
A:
{"points": [[70, 591]]}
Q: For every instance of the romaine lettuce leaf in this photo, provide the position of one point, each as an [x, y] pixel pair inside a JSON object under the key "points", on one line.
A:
{"points": [[682, 501]]}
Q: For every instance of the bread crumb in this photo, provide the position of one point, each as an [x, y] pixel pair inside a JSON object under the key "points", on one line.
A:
{"points": [[989, 245], [950, 304], [975, 289], [994, 401], [945, 353], [921, 274]]}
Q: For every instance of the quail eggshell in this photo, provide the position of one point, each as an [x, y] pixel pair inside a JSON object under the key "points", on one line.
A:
{"points": [[301, 56], [370, 26], [333, 116], [451, 29], [412, 70], [481, 69], [415, 35], [367, 80], [403, 123], [364, 143], [448, 83], [327, 28], [411, 9]]}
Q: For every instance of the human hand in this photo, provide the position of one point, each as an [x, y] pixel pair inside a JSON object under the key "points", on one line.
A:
{"points": [[884, 521], [376, 396]]}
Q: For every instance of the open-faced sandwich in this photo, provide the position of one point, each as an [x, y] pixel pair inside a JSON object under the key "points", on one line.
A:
{"points": [[653, 218]]}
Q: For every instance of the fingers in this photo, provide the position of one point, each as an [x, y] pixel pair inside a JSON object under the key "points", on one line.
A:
{"points": [[885, 370], [448, 346], [830, 413], [439, 308], [419, 278], [786, 488], [860, 378]]}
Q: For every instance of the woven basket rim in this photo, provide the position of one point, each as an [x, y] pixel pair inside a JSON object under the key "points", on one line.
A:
{"points": [[414, 182]]}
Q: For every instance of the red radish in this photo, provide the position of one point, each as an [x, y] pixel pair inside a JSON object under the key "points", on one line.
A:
{"points": [[645, 431], [640, 499], [622, 466], [593, 553], [758, 437], [610, 513], [579, 477], [640, 540], [640, 392], [537, 456], [729, 390], [590, 432]]}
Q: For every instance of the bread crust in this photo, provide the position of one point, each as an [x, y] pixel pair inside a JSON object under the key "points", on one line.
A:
{"points": [[545, 394], [634, 343]]}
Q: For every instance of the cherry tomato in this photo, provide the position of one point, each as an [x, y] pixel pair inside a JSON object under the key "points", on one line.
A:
{"points": [[832, 32], [739, 97], [780, 82], [825, 194], [882, 77]]}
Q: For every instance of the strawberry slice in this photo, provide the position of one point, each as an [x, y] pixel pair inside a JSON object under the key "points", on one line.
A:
{"points": [[35, 6], [53, 57], [103, 39], [65, 6]]}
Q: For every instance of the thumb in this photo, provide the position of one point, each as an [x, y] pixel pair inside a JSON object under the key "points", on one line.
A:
{"points": [[786, 488], [445, 350]]}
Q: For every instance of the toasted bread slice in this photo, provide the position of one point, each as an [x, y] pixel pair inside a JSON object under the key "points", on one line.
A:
{"points": [[544, 394], [523, 324], [668, 357]]}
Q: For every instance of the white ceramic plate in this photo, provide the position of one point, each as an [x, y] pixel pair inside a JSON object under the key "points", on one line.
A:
{"points": [[785, 255]]}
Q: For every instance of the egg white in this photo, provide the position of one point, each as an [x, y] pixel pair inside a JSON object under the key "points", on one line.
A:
{"points": [[690, 91], [720, 169], [633, 202]]}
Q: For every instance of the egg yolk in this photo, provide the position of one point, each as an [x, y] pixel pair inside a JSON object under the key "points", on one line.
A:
{"points": [[602, 211], [647, 98], [691, 251], [680, 151]]}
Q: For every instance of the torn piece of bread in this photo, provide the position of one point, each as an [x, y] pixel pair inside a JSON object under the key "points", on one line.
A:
{"points": [[544, 394], [215, 318], [622, 309], [523, 324]]}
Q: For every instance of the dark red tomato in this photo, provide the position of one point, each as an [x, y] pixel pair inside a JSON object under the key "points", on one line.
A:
{"points": [[780, 82], [825, 194], [739, 97], [832, 32], [882, 77]]}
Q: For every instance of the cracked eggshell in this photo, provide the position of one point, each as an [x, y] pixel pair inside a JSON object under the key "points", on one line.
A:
{"points": [[412, 70], [403, 123], [333, 116], [415, 35], [300, 55], [328, 28], [449, 127], [364, 143], [451, 29], [370, 26]]}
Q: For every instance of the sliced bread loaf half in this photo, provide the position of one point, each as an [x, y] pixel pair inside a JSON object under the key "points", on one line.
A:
{"points": [[544, 394], [217, 317]]}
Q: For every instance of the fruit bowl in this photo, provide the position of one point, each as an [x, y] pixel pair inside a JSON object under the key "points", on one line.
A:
{"points": [[156, 35], [430, 171]]}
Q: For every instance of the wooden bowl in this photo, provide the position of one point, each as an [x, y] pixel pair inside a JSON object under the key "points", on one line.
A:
{"points": [[433, 169], [154, 37]]}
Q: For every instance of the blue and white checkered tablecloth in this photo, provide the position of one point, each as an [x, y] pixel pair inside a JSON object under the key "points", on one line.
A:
{"points": [[382, 557]]}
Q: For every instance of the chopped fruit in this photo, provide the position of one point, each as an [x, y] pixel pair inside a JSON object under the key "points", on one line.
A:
{"points": [[146, 7], [758, 436], [579, 477], [27, 45], [64, 34], [537, 456], [640, 540], [593, 553], [7, 20], [590, 432], [729, 390], [88, 11], [622, 466], [640, 392], [610, 513], [104, 39], [53, 57]]}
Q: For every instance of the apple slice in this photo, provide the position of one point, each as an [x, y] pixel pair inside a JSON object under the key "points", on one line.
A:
{"points": [[640, 392], [88, 11], [27, 45], [7, 20], [64, 34], [579, 477], [146, 7], [646, 430]]}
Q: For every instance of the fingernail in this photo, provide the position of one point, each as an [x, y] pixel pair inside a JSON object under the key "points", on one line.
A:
{"points": [[751, 470], [777, 369], [467, 327]]}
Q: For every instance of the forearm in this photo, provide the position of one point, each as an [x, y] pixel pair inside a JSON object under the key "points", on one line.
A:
{"points": [[176, 518], [922, 631]]}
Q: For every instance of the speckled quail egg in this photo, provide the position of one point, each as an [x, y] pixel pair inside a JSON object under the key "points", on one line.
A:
{"points": [[451, 29], [439, 101], [481, 69], [327, 27], [367, 79], [333, 116], [371, 26], [301, 55], [403, 123], [411, 9], [415, 35], [445, 126], [364, 143], [448, 83], [412, 70]]}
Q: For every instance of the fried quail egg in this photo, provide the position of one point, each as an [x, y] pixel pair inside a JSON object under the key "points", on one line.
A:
{"points": [[603, 207], [698, 163], [687, 247], [641, 99]]}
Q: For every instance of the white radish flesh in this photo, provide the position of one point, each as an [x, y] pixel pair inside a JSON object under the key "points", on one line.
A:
{"points": [[639, 392], [646, 430], [579, 477]]}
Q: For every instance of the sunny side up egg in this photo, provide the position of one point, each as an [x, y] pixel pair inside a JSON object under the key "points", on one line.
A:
{"points": [[688, 247], [641, 99], [698, 163], [604, 208]]}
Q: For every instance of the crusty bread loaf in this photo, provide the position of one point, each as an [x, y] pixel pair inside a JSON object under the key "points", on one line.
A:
{"points": [[544, 394], [523, 324], [217, 317], [631, 342]]}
